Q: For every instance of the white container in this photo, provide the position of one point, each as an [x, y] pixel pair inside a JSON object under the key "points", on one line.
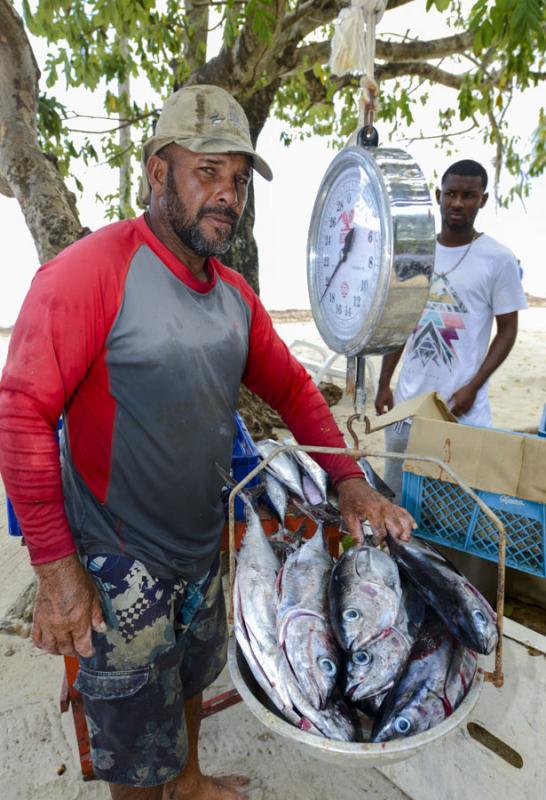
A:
{"points": [[350, 754]]}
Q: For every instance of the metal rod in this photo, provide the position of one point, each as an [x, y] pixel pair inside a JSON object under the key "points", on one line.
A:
{"points": [[496, 677]]}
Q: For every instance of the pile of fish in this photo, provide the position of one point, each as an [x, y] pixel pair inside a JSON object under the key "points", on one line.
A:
{"points": [[374, 646], [294, 475]]}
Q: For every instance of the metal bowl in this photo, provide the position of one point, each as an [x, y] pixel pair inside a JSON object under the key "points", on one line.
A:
{"points": [[350, 753]]}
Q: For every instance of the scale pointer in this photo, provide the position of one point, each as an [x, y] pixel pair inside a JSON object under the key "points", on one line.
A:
{"points": [[347, 244]]}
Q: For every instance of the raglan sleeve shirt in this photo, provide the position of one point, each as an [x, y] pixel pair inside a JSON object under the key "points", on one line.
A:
{"points": [[56, 358]]}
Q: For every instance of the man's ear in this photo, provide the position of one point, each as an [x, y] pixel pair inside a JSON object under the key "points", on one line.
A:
{"points": [[438, 195], [484, 199], [156, 170]]}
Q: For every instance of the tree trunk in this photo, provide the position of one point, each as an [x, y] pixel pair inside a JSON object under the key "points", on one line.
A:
{"points": [[243, 254], [124, 95], [25, 171]]}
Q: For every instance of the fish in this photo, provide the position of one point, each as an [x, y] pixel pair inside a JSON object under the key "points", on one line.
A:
{"points": [[333, 721], [285, 542], [254, 604], [303, 625], [282, 466], [364, 595], [370, 706], [374, 669], [375, 481], [314, 478], [276, 494], [465, 612], [437, 677], [311, 491], [255, 630]]}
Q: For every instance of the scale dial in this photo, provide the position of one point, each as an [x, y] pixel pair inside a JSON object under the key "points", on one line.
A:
{"points": [[348, 267], [352, 249]]}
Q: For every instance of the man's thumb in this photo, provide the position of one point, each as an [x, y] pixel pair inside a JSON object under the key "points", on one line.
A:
{"points": [[97, 620]]}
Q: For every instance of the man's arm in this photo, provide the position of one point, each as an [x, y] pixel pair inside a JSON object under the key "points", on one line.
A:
{"points": [[463, 399], [58, 336], [384, 399]]}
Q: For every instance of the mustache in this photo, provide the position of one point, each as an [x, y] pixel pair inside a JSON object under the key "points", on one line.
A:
{"points": [[219, 211]]}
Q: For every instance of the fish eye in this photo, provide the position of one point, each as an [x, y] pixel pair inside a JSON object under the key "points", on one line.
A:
{"points": [[479, 616], [363, 658], [327, 666], [350, 614], [402, 725]]}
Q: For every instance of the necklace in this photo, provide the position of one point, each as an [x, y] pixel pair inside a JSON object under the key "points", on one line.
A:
{"points": [[444, 275]]}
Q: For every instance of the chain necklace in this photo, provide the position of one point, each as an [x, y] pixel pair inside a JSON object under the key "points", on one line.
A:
{"points": [[444, 275]]}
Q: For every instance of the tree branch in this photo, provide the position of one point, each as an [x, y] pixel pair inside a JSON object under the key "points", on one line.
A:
{"points": [[393, 51], [385, 72]]}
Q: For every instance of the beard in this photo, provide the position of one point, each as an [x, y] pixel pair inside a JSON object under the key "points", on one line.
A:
{"points": [[186, 227]]}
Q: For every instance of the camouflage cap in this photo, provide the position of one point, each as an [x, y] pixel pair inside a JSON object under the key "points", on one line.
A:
{"points": [[204, 119]]}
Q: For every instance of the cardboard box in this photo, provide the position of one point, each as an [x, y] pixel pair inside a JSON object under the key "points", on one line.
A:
{"points": [[488, 459]]}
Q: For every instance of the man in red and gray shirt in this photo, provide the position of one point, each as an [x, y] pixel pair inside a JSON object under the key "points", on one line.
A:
{"points": [[140, 337]]}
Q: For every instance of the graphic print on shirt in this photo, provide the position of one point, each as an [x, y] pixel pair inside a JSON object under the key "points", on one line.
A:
{"points": [[437, 331]]}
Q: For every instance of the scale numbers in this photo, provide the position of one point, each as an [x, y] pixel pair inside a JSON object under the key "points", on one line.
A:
{"points": [[350, 238]]}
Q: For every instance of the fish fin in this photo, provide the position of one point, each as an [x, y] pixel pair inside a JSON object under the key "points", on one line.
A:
{"points": [[324, 512], [247, 494], [375, 481]]}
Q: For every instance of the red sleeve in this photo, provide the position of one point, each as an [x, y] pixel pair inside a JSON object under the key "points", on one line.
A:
{"points": [[59, 334], [277, 377]]}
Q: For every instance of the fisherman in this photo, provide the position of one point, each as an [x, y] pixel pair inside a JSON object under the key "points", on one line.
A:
{"points": [[475, 280], [139, 337]]}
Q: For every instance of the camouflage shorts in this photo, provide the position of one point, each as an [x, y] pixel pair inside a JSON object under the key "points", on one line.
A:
{"points": [[166, 641]]}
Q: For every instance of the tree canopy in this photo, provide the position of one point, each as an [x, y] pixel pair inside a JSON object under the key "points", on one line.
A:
{"points": [[272, 56]]}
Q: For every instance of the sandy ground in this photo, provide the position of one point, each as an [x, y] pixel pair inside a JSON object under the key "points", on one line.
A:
{"points": [[36, 740]]}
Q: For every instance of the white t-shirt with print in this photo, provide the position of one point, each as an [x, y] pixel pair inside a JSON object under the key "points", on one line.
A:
{"points": [[452, 337]]}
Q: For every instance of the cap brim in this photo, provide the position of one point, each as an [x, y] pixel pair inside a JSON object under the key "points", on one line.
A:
{"points": [[155, 143], [227, 146]]}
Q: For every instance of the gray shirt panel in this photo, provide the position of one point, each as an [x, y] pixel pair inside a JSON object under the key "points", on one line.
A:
{"points": [[175, 358]]}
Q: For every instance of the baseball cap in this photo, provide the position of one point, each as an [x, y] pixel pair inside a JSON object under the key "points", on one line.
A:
{"points": [[204, 119]]}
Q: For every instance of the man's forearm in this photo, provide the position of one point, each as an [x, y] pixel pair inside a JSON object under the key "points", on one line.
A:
{"points": [[498, 351], [388, 365]]}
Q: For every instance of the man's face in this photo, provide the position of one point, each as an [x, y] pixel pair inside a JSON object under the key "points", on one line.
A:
{"points": [[203, 198], [460, 199]]}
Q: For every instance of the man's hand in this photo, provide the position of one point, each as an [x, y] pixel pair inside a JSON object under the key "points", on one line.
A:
{"points": [[462, 400], [359, 502], [66, 608], [384, 399]]}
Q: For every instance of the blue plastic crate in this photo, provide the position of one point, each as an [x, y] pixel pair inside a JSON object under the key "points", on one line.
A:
{"points": [[14, 529], [244, 459], [445, 514]]}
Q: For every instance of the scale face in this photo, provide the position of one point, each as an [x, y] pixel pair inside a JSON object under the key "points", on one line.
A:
{"points": [[370, 250]]}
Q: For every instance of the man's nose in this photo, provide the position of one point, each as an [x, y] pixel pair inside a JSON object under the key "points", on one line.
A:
{"points": [[457, 201], [229, 192]]}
